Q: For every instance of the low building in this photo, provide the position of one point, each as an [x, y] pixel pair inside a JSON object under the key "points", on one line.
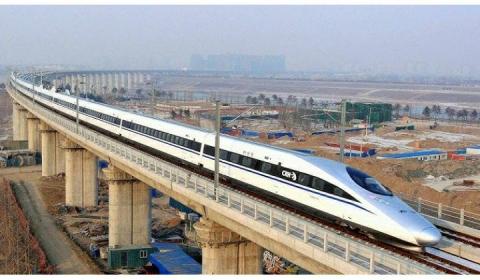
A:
{"points": [[473, 150], [424, 155]]}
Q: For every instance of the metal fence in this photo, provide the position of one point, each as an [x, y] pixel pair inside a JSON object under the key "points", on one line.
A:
{"points": [[364, 256], [447, 213]]}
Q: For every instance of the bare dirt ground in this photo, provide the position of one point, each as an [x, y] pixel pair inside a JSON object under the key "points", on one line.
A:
{"points": [[366, 91], [60, 250]]}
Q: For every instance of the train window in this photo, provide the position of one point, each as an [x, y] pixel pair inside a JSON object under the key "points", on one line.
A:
{"points": [[338, 191], [209, 150], [180, 141], [367, 182], [266, 167], [188, 144], [247, 161], [318, 183], [197, 146], [170, 137], [304, 179], [348, 196], [258, 165], [328, 188], [163, 135], [224, 155], [235, 158]]}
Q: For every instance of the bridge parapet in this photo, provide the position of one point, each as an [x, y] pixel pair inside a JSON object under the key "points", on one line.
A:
{"points": [[304, 242]]}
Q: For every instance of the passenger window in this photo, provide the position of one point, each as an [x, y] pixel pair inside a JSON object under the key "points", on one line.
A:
{"points": [[304, 179], [234, 157], [328, 188], [209, 150], [246, 161], [224, 154], [266, 167], [318, 184], [197, 146], [347, 196], [337, 191], [180, 141]]}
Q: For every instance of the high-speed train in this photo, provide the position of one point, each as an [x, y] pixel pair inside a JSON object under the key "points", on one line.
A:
{"points": [[313, 184]]}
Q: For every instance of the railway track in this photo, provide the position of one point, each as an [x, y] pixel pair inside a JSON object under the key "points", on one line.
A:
{"points": [[460, 237], [429, 259], [436, 262]]}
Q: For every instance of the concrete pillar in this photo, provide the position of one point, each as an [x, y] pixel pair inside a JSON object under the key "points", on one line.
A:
{"points": [[129, 81], [48, 150], [59, 153], [226, 252], [15, 121], [129, 213], [141, 78], [137, 79], [110, 84], [33, 132], [122, 80], [22, 124], [80, 176], [115, 80], [68, 80], [98, 83]]}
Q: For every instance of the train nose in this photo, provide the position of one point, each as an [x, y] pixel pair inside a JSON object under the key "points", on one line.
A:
{"points": [[428, 236]]}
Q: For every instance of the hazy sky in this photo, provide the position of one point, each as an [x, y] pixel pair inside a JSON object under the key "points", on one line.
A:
{"points": [[389, 38]]}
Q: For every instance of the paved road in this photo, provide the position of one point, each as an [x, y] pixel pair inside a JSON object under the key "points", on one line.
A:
{"points": [[60, 250]]}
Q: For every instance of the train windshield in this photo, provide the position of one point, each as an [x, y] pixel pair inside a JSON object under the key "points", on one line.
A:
{"points": [[368, 182]]}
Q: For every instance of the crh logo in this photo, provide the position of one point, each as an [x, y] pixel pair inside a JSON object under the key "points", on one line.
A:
{"points": [[289, 174]]}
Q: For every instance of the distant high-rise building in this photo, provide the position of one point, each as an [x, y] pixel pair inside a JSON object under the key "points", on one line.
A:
{"points": [[238, 63]]}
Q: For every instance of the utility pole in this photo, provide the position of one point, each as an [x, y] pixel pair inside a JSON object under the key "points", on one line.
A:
{"points": [[78, 106], [217, 143], [153, 97], [33, 87], [342, 129]]}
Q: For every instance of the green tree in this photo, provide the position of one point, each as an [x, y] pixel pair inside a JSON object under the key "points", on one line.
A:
{"points": [[303, 103], [311, 102], [450, 112], [267, 101], [473, 115], [426, 112], [396, 108], [406, 109]]}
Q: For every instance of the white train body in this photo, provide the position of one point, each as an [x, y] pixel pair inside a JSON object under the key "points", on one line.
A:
{"points": [[307, 181]]}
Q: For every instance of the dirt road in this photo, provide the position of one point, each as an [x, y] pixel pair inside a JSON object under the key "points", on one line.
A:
{"points": [[60, 250]]}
